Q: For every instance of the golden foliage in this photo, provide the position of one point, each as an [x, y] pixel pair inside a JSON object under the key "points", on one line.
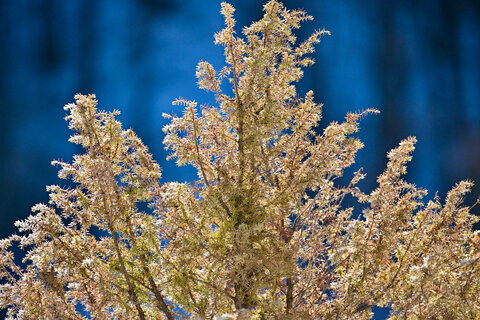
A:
{"points": [[263, 233]]}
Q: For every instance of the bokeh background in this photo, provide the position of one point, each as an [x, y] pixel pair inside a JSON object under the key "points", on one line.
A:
{"points": [[417, 61]]}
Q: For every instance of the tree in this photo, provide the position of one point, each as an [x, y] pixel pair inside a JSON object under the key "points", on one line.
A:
{"points": [[263, 233]]}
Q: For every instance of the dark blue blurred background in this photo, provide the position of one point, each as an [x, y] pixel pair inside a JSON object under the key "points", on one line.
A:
{"points": [[416, 61]]}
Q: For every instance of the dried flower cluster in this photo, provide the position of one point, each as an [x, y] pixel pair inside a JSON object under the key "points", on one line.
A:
{"points": [[262, 234]]}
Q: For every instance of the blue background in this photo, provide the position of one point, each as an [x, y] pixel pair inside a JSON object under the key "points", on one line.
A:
{"points": [[416, 61]]}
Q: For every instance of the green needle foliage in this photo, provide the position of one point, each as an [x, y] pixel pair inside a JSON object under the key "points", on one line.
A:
{"points": [[262, 233]]}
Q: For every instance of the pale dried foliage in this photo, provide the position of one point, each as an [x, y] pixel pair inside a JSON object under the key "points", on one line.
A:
{"points": [[263, 233]]}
